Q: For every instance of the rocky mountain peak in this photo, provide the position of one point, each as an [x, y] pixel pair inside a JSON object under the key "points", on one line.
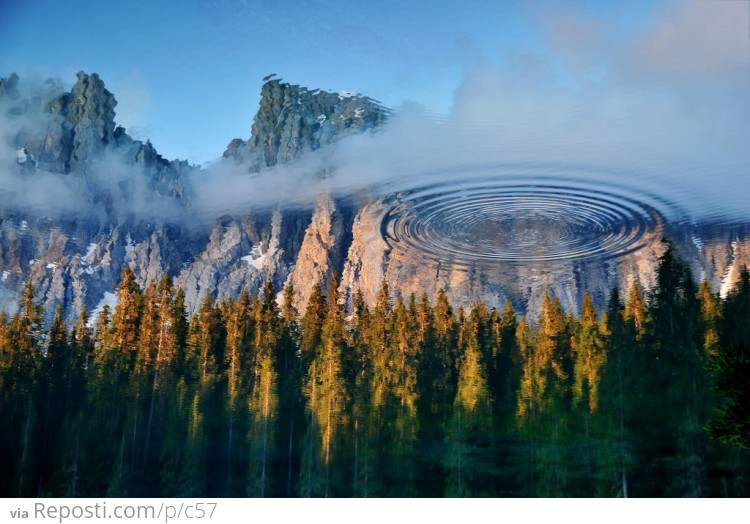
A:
{"points": [[72, 128], [292, 120], [78, 262], [66, 132], [91, 111]]}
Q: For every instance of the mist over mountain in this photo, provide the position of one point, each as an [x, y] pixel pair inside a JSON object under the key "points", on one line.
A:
{"points": [[309, 194]]}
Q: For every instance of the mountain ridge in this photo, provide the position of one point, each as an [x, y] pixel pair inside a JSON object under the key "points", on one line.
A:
{"points": [[137, 209]]}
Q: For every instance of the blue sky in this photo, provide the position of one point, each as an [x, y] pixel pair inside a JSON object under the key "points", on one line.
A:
{"points": [[188, 74]]}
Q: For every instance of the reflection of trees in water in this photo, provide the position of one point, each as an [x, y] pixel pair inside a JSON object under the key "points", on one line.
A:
{"points": [[404, 398]]}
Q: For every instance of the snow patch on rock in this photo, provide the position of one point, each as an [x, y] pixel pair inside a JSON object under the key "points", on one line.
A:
{"points": [[109, 299], [698, 243], [256, 258], [129, 247], [729, 277], [89, 251]]}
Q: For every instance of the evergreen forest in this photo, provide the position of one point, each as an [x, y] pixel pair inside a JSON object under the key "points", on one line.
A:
{"points": [[405, 397]]}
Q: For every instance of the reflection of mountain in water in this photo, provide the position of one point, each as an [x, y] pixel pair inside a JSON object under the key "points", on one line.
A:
{"points": [[579, 237], [494, 220], [714, 253]]}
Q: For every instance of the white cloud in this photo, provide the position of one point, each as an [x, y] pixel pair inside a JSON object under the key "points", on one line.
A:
{"points": [[696, 38], [669, 102]]}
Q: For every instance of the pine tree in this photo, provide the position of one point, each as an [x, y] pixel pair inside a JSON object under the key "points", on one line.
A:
{"points": [[238, 355], [425, 321], [711, 313], [170, 322], [163, 344], [590, 356], [180, 328], [533, 384], [312, 323], [552, 353], [149, 329], [102, 335], [25, 336], [635, 314], [239, 359], [472, 410], [438, 373], [268, 324], [71, 458], [126, 319], [289, 312], [204, 357], [53, 398], [666, 294], [379, 345], [406, 357], [58, 358], [81, 340], [358, 375], [506, 360], [290, 409], [355, 361], [206, 337], [263, 409], [473, 396], [263, 399], [614, 387], [325, 387]]}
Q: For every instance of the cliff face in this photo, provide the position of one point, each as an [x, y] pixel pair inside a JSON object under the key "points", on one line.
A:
{"points": [[81, 128], [292, 120], [71, 138], [73, 187], [75, 258], [370, 259]]}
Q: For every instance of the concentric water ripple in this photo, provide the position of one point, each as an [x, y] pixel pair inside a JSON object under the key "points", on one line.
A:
{"points": [[519, 220]]}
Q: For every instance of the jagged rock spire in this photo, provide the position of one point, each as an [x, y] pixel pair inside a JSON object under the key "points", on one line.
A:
{"points": [[293, 119], [80, 124]]}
